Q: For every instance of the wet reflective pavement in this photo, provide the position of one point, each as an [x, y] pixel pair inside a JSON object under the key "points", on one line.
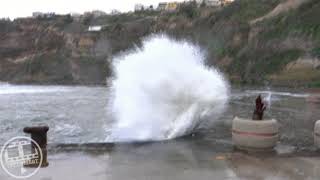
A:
{"points": [[177, 159]]}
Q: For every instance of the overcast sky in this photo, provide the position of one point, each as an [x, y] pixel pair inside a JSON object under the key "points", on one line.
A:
{"points": [[22, 8]]}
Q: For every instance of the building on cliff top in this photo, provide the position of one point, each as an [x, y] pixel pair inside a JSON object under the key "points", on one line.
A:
{"points": [[148, 8], [172, 6], [43, 15], [138, 7], [226, 2], [213, 3], [168, 6], [5, 19], [162, 6], [76, 16], [95, 28], [115, 12], [95, 13]]}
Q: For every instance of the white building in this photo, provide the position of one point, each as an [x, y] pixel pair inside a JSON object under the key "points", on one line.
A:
{"points": [[43, 15], [213, 2], [138, 7], [95, 13], [115, 12], [5, 19], [162, 6], [95, 28], [199, 2], [76, 15], [98, 13], [149, 8], [37, 14], [226, 2]]}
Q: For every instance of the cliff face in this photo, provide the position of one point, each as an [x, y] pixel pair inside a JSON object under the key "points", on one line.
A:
{"points": [[266, 42], [251, 41], [62, 51]]}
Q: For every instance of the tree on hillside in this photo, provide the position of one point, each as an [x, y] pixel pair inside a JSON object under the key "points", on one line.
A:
{"points": [[189, 9]]}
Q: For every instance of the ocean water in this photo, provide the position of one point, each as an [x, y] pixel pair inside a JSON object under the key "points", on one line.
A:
{"points": [[74, 114]]}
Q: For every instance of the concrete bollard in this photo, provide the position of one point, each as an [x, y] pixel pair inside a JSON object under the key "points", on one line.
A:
{"points": [[317, 134], [255, 135], [39, 135]]}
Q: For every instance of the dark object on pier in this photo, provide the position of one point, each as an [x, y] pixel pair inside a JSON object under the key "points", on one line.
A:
{"points": [[39, 135], [260, 108]]}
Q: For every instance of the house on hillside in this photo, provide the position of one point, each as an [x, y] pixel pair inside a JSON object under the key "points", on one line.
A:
{"points": [[5, 19], [226, 2], [115, 12], [94, 28], [76, 16], [148, 8], [43, 15], [162, 6], [172, 6], [98, 13], [138, 7], [37, 14], [213, 3], [210, 3], [95, 13]]}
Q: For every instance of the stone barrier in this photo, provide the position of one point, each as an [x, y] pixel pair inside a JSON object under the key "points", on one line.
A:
{"points": [[255, 135]]}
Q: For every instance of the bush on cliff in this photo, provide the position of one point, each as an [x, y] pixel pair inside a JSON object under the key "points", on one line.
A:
{"points": [[189, 9]]}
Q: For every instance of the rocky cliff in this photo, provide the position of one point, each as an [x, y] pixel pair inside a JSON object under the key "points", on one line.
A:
{"points": [[270, 42], [61, 50], [265, 42]]}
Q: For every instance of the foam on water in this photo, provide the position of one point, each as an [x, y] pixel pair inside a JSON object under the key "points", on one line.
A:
{"points": [[164, 91], [6, 89], [298, 95]]}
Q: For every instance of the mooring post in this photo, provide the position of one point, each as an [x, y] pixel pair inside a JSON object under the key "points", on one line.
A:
{"points": [[39, 135]]}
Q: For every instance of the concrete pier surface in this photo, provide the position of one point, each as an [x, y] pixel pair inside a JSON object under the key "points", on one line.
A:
{"points": [[233, 166], [176, 160]]}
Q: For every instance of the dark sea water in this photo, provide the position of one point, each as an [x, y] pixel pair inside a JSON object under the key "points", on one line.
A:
{"points": [[79, 114]]}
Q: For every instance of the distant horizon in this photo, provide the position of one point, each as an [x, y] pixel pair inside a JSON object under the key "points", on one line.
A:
{"points": [[19, 9]]}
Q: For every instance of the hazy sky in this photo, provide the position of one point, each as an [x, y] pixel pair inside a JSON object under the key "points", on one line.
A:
{"points": [[21, 8]]}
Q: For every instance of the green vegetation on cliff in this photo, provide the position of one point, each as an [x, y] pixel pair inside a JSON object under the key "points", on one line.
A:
{"points": [[268, 51]]}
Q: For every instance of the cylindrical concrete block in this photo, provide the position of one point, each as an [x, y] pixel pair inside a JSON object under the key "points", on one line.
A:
{"points": [[317, 134], [255, 135]]}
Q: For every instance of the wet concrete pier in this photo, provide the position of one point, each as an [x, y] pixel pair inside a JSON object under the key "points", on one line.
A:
{"points": [[175, 160]]}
